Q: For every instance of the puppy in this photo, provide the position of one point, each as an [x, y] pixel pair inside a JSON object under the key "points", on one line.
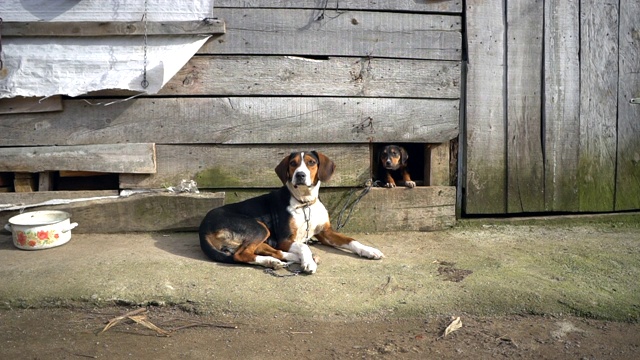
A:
{"points": [[272, 230], [393, 159]]}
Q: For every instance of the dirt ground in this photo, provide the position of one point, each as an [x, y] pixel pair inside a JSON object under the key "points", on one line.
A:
{"points": [[76, 334]]}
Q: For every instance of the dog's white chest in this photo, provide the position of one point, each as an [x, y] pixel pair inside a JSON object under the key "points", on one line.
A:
{"points": [[309, 220]]}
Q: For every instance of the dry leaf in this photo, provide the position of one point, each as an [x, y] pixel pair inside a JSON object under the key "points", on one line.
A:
{"points": [[455, 325]]}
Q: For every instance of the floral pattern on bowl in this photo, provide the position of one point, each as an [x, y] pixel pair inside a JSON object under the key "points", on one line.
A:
{"points": [[37, 238]]}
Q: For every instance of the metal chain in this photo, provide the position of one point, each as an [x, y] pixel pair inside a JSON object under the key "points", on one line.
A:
{"points": [[1, 61], [307, 218], [367, 187], [144, 82]]}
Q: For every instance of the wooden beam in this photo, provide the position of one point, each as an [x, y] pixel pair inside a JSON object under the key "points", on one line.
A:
{"points": [[240, 120], [448, 6], [439, 164], [110, 158], [30, 105], [112, 28], [24, 182]]}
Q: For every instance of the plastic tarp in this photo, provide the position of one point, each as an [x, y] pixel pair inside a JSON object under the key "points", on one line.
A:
{"points": [[46, 66]]}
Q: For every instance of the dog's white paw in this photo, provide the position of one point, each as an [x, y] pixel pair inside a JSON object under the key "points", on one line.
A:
{"points": [[307, 261], [365, 251], [270, 262], [389, 185], [410, 184]]}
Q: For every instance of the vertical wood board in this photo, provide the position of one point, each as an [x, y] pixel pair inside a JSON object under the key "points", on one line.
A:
{"points": [[485, 114], [598, 104], [525, 168], [562, 104], [628, 169]]}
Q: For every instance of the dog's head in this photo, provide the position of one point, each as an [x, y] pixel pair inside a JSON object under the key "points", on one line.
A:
{"points": [[392, 157], [305, 168]]}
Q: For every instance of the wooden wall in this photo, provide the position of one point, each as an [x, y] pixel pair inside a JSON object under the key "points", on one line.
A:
{"points": [[335, 76], [550, 126]]}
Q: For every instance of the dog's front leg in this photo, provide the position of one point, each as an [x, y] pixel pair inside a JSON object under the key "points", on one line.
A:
{"points": [[336, 239], [306, 257]]}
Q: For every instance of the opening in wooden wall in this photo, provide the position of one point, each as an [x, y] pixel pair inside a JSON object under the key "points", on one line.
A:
{"points": [[415, 164]]}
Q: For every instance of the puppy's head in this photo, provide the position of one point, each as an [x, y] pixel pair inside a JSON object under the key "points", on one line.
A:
{"points": [[305, 168], [392, 157]]}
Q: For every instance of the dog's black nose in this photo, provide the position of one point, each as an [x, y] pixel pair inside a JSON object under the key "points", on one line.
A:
{"points": [[300, 177], [388, 162]]}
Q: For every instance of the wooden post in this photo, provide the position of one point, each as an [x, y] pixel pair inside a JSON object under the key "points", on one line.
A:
{"points": [[438, 169]]}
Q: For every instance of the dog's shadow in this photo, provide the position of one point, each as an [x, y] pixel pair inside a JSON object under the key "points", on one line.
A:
{"points": [[187, 245]]}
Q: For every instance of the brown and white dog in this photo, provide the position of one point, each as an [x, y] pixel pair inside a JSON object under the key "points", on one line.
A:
{"points": [[272, 230], [393, 159]]}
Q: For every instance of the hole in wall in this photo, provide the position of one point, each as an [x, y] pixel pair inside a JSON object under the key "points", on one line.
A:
{"points": [[416, 164]]}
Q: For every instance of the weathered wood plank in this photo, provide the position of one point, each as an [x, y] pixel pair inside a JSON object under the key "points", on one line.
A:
{"points": [[240, 120], [628, 168], [453, 6], [525, 166], [485, 139], [562, 104], [111, 28], [110, 158], [214, 167], [338, 33], [26, 199], [424, 208], [438, 168], [140, 212], [29, 105], [286, 76], [598, 104], [24, 182]]}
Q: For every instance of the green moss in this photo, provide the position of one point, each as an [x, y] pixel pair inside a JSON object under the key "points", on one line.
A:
{"points": [[217, 177]]}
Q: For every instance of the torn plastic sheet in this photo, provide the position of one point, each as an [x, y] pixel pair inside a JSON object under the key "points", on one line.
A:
{"points": [[44, 67]]}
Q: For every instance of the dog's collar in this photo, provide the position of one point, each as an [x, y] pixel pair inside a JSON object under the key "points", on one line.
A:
{"points": [[303, 203]]}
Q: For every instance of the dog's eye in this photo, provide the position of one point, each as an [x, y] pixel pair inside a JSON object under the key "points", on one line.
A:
{"points": [[311, 163], [293, 163]]}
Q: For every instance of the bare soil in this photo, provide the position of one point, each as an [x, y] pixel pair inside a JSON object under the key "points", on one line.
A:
{"points": [[76, 334]]}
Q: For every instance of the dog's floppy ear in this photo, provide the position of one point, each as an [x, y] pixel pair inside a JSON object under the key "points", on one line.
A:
{"points": [[282, 170], [326, 167], [404, 155]]}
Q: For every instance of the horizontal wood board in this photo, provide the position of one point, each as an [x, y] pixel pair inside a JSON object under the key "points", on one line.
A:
{"points": [[140, 212], [30, 105], [452, 6], [239, 120], [296, 76], [108, 158], [337, 33], [110, 28], [216, 167]]}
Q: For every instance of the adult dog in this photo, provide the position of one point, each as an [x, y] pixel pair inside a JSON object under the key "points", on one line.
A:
{"points": [[393, 159], [272, 230]]}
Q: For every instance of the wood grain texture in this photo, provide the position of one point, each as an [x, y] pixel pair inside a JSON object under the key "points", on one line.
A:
{"points": [[140, 212], [110, 28], [108, 158], [525, 166], [397, 5], [30, 105], [598, 104], [293, 76], [628, 168], [240, 120], [215, 167], [485, 110], [337, 33], [439, 164], [562, 104]]}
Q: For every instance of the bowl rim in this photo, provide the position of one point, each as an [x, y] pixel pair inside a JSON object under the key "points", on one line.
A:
{"points": [[35, 218]]}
